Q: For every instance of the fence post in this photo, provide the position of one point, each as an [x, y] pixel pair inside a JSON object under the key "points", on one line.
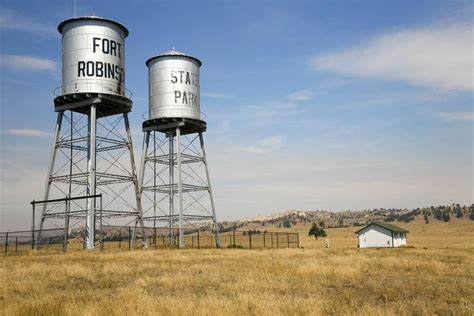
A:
{"points": [[271, 238], [264, 240], [298, 239], [230, 239], [129, 238], [288, 239], [250, 240], [100, 224], [6, 244], [16, 245], [120, 241], [33, 226], [278, 241], [66, 224], [155, 236], [233, 234], [198, 240]]}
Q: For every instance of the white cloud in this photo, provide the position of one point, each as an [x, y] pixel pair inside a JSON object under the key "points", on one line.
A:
{"points": [[301, 95], [438, 56], [10, 20], [217, 95], [266, 145], [456, 116], [271, 111], [27, 63], [26, 132]]}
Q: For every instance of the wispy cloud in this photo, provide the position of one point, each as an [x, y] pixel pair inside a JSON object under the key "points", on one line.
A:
{"points": [[11, 20], [456, 116], [270, 110], [266, 145], [437, 56], [26, 132], [217, 95], [301, 95], [20, 62]]}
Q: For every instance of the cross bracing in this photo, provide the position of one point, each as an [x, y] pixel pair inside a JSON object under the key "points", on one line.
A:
{"points": [[92, 154], [174, 182]]}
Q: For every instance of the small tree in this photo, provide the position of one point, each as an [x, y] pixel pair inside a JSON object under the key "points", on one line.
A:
{"points": [[446, 216], [316, 231]]}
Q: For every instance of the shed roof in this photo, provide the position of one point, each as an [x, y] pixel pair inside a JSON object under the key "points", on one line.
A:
{"points": [[388, 226]]}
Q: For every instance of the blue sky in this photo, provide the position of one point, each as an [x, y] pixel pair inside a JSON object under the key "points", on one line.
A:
{"points": [[310, 104]]}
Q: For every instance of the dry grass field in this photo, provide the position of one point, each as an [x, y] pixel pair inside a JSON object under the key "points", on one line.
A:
{"points": [[433, 276]]}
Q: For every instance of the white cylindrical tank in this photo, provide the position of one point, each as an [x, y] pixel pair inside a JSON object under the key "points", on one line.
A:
{"points": [[93, 56], [173, 86]]}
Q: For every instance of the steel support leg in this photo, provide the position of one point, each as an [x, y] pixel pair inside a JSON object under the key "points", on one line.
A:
{"points": [[91, 166], [50, 173], [171, 180], [154, 182], [141, 179], [216, 225], [180, 188], [146, 141], [135, 180]]}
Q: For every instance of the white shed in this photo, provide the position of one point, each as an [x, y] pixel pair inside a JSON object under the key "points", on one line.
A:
{"points": [[382, 235]]}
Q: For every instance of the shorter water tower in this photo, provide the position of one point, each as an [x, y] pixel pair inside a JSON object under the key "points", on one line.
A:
{"points": [[174, 176]]}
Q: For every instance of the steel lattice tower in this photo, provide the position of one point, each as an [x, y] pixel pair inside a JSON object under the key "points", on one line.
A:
{"points": [[175, 185]]}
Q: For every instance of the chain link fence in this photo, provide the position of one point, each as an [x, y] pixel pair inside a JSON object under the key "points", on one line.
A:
{"points": [[127, 238]]}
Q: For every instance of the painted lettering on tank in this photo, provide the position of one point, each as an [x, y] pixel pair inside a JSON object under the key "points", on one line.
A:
{"points": [[185, 78], [100, 69]]}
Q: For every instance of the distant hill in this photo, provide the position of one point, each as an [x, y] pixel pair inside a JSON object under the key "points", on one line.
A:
{"points": [[325, 219], [354, 218]]}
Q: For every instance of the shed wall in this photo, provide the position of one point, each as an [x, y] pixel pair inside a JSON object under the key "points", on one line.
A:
{"points": [[399, 239], [375, 236]]}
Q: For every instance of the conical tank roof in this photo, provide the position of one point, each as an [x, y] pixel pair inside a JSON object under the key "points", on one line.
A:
{"points": [[92, 18], [173, 53]]}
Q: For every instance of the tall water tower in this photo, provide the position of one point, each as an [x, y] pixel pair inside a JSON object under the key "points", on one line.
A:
{"points": [[174, 176], [92, 151]]}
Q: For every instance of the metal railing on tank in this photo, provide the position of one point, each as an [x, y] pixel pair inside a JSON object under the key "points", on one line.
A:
{"points": [[92, 87], [145, 116]]}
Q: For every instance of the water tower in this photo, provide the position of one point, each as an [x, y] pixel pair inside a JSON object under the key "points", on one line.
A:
{"points": [[174, 176], [92, 151]]}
